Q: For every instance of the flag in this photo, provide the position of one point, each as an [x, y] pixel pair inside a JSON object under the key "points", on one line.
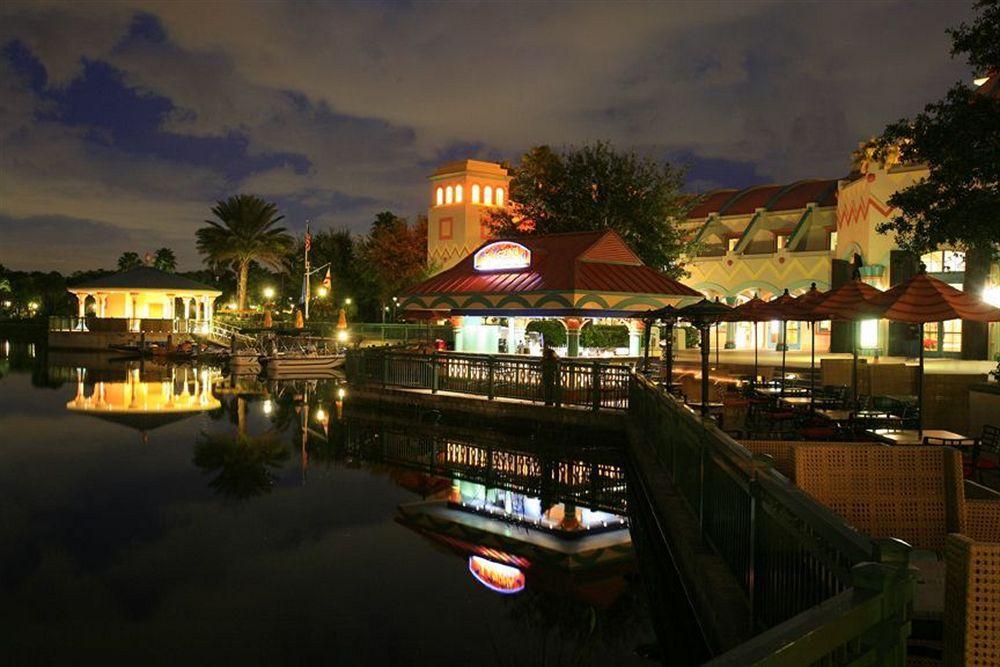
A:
{"points": [[308, 240], [327, 282]]}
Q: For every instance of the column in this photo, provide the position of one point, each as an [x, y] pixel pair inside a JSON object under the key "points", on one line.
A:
{"points": [[187, 307], [456, 327], [515, 332], [573, 326], [209, 308], [168, 307], [731, 335], [81, 304], [634, 338], [133, 301]]}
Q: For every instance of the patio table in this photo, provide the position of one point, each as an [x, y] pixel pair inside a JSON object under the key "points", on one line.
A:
{"points": [[911, 436], [771, 392]]}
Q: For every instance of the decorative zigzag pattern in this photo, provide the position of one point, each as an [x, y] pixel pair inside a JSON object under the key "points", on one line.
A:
{"points": [[849, 213]]}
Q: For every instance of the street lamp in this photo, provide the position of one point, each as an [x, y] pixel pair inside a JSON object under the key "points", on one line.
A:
{"points": [[268, 293], [347, 301], [321, 292]]}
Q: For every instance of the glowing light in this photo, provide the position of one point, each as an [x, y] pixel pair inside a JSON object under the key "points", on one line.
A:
{"points": [[499, 196], [978, 81], [33, 305], [991, 295], [869, 334], [498, 577], [341, 393], [342, 336], [321, 292], [488, 195], [347, 301], [268, 406], [475, 193], [268, 292], [449, 195], [502, 255], [320, 415], [231, 305], [458, 194], [440, 196]]}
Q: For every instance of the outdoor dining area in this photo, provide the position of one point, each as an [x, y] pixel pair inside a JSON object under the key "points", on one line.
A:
{"points": [[796, 406], [871, 457]]}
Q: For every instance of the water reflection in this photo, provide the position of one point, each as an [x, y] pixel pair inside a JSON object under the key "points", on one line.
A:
{"points": [[269, 510]]}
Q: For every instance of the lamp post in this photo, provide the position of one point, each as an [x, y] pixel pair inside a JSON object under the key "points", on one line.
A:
{"points": [[703, 315]]}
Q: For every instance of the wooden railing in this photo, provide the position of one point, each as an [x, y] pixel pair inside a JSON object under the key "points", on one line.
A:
{"points": [[592, 384], [818, 590]]}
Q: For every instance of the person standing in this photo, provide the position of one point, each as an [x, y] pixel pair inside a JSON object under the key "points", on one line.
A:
{"points": [[550, 375]]}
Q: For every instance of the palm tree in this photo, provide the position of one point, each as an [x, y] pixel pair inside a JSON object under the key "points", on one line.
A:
{"points": [[244, 232], [129, 260], [165, 260]]}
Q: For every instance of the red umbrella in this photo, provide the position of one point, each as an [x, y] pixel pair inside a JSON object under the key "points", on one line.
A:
{"points": [[923, 299], [851, 301], [783, 308], [804, 306]]}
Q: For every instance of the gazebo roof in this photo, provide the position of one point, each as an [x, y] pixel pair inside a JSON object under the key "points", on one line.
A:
{"points": [[557, 272], [144, 277]]}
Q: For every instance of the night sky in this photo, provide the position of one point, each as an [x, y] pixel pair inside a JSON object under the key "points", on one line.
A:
{"points": [[122, 123]]}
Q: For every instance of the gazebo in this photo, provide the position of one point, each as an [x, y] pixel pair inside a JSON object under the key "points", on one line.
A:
{"points": [[574, 278]]}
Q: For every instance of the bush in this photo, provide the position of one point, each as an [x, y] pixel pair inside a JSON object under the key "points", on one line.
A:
{"points": [[604, 335], [554, 332]]}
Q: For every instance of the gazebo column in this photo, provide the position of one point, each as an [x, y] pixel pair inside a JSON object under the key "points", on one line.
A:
{"points": [[209, 309], [634, 338], [81, 304], [573, 327], [168, 307], [456, 328], [187, 307], [132, 308]]}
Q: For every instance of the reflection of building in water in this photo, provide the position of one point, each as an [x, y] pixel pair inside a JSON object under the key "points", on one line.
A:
{"points": [[146, 404]]}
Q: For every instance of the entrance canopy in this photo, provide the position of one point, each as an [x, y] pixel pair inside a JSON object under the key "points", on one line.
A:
{"points": [[582, 274]]}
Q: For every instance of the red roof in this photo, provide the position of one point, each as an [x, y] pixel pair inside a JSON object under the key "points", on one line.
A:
{"points": [[771, 197], [574, 262]]}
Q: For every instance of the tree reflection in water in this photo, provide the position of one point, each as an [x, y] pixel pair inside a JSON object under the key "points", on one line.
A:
{"points": [[243, 463]]}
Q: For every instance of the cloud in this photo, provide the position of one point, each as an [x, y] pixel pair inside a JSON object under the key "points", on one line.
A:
{"points": [[141, 115]]}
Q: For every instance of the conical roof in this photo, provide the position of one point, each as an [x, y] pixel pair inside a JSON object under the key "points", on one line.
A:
{"points": [[924, 298], [705, 311], [754, 310]]}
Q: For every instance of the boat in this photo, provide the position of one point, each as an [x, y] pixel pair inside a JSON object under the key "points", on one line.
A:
{"points": [[299, 363]]}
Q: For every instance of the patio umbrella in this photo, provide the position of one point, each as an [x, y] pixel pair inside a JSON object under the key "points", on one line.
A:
{"points": [[703, 314], [853, 301], [782, 308], [755, 310], [668, 315], [923, 299], [804, 306]]}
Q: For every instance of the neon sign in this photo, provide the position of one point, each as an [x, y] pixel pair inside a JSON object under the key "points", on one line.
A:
{"points": [[497, 577], [502, 256]]}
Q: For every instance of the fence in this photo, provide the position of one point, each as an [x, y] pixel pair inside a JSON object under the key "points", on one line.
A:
{"points": [[594, 385], [819, 591]]}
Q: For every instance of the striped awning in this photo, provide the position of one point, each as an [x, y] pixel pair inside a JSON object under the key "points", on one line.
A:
{"points": [[754, 310], [924, 298], [851, 301]]}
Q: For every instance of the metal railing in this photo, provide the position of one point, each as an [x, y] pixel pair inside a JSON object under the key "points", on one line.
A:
{"points": [[400, 332], [812, 582], [592, 384]]}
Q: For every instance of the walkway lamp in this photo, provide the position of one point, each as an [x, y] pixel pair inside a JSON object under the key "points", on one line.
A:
{"points": [[268, 293]]}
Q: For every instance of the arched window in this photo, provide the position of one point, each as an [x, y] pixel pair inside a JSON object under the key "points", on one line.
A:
{"points": [[488, 195], [458, 194], [440, 196], [449, 195], [475, 193], [499, 196]]}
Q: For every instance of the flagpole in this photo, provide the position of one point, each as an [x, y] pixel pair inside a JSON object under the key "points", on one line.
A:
{"points": [[305, 277]]}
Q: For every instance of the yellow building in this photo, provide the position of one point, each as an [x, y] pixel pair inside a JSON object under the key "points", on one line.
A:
{"points": [[461, 193]]}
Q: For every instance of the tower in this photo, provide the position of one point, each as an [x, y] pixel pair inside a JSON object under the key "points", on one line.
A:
{"points": [[461, 193]]}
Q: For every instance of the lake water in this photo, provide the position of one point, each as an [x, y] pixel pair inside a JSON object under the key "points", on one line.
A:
{"points": [[172, 515]]}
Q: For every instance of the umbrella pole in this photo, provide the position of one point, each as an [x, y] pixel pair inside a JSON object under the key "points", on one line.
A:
{"points": [[854, 362], [756, 373], [920, 385], [646, 333], [784, 351], [812, 366], [717, 325], [669, 350], [705, 351]]}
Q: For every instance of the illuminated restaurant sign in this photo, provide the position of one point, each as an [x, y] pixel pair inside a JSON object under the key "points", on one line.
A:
{"points": [[502, 256], [497, 577]]}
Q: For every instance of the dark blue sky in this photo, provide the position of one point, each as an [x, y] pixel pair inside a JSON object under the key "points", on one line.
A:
{"points": [[124, 122]]}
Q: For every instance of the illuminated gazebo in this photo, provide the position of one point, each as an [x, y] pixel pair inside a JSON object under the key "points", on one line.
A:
{"points": [[574, 278]]}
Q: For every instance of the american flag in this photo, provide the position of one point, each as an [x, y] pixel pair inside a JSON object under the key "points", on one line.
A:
{"points": [[309, 240]]}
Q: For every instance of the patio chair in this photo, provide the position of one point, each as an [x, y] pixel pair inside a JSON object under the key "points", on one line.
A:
{"points": [[985, 455]]}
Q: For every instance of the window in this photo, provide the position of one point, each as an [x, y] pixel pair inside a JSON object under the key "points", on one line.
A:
{"points": [[499, 197], [458, 194], [781, 241], [833, 240], [475, 193], [732, 243], [445, 229], [488, 195], [951, 336], [440, 196], [944, 261], [869, 334], [449, 195]]}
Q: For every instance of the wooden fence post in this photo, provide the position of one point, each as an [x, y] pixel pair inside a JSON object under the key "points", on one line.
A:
{"points": [[489, 378], [595, 387], [434, 373]]}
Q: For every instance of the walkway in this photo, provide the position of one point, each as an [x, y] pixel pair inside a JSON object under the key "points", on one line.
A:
{"points": [[797, 359]]}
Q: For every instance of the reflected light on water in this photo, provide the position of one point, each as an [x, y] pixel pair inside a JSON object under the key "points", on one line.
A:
{"points": [[184, 391]]}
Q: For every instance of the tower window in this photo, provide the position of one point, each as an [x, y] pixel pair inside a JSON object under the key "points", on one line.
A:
{"points": [[475, 193], [458, 194], [449, 195], [781, 241], [833, 240], [440, 196], [445, 229], [488, 195], [499, 196]]}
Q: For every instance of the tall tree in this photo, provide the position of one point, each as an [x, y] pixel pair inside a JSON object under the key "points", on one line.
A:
{"points": [[595, 187], [165, 260], [394, 255], [958, 138], [244, 231], [128, 261]]}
